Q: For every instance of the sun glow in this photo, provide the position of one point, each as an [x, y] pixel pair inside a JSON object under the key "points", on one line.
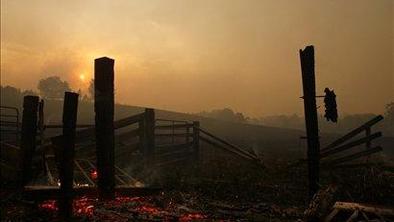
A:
{"points": [[82, 77]]}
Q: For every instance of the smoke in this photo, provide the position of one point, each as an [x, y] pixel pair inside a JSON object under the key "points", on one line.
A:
{"points": [[202, 55]]}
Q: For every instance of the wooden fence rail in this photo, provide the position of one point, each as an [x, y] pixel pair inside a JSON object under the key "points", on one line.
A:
{"points": [[353, 133]]}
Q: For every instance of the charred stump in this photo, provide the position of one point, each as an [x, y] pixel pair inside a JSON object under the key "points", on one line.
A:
{"points": [[104, 120], [28, 136], [66, 154]]}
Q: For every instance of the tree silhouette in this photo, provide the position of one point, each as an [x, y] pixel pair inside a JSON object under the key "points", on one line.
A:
{"points": [[53, 87], [91, 89]]}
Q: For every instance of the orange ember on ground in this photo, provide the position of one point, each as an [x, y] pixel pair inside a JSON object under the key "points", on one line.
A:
{"points": [[90, 207], [93, 175]]}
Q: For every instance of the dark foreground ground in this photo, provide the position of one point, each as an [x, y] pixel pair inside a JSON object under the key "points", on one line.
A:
{"points": [[228, 191]]}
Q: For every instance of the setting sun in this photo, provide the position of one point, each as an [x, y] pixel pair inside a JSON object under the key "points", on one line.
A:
{"points": [[82, 77]]}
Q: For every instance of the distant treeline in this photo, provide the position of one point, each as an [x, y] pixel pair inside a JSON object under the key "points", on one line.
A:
{"points": [[48, 88], [53, 88]]}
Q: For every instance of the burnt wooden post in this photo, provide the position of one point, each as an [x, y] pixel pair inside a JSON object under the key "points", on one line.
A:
{"points": [[196, 140], [311, 121], [28, 136], [149, 138], [104, 120], [66, 157]]}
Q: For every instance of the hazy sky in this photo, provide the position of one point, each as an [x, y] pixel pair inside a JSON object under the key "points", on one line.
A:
{"points": [[198, 55]]}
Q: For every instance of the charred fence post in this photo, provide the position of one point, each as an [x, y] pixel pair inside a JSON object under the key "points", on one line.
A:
{"points": [[311, 121], [196, 140], [104, 120], [66, 154], [41, 128], [28, 137], [149, 137]]}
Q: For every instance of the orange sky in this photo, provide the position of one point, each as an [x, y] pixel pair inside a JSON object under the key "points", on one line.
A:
{"points": [[199, 55]]}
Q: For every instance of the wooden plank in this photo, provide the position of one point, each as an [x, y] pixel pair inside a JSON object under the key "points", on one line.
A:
{"points": [[307, 58], [104, 125], [58, 126], [354, 156], [174, 135], [353, 133], [350, 144], [239, 150], [174, 126], [120, 180], [126, 175], [87, 177], [161, 148], [89, 133], [49, 173], [218, 145], [128, 135], [128, 121], [171, 120]]}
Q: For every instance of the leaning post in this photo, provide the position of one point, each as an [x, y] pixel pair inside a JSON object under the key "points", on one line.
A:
{"points": [[104, 120], [66, 157], [311, 121], [28, 136]]}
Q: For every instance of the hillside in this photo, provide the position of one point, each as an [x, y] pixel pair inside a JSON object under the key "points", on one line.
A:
{"points": [[280, 142]]}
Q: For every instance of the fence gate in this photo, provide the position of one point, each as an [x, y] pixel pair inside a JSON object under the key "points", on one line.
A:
{"points": [[175, 142]]}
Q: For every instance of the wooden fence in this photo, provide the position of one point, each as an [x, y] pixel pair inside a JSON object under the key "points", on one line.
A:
{"points": [[341, 145]]}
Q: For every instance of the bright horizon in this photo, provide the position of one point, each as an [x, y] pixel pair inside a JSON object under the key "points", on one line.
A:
{"points": [[204, 55]]}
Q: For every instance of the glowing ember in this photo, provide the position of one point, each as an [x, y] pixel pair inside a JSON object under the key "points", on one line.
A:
{"points": [[148, 209], [127, 199], [93, 175], [83, 206], [141, 206], [49, 205], [192, 217]]}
